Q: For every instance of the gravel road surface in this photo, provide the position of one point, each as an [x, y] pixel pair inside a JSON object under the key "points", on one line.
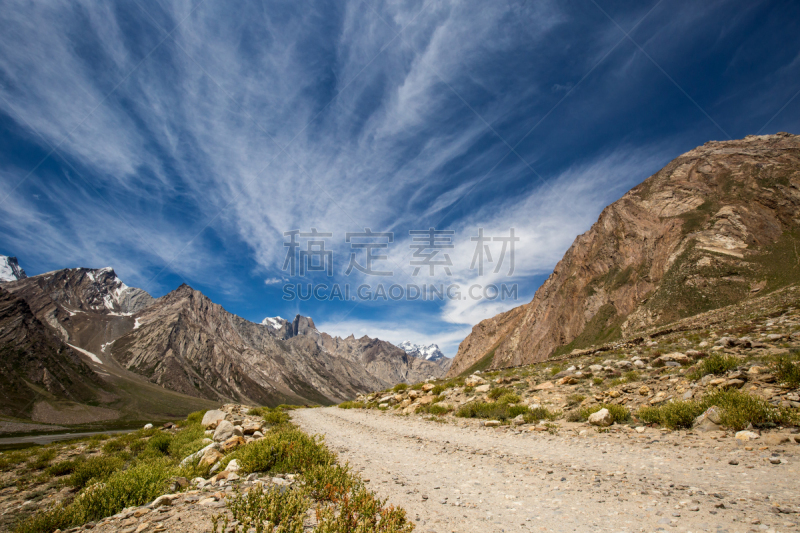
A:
{"points": [[459, 477]]}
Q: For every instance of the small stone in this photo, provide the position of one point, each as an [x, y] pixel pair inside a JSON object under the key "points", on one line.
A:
{"points": [[148, 426], [746, 435], [775, 460], [733, 462], [644, 390], [491, 423]]}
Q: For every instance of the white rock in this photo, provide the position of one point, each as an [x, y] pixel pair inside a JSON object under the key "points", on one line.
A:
{"points": [[212, 418], [746, 435], [601, 418], [224, 431], [233, 466], [148, 426]]}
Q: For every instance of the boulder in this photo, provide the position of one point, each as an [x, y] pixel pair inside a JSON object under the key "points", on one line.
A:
{"points": [[483, 388], [231, 443], [474, 381], [644, 390], [518, 420], [251, 426], [425, 400], [601, 418], [491, 423], [544, 386], [387, 399], [233, 466], [428, 387], [708, 421], [196, 455], [212, 418], [210, 456], [224, 431]]}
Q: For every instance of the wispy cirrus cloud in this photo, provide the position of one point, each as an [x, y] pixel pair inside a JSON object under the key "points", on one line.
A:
{"points": [[185, 138]]}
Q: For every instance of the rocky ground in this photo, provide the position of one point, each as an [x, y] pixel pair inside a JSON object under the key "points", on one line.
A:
{"points": [[459, 476]]}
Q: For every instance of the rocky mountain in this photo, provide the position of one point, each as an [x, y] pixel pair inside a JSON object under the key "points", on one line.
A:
{"points": [[382, 359], [716, 226], [36, 362], [187, 343], [10, 269]]}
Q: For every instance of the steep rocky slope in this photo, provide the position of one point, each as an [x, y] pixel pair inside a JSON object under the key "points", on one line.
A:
{"points": [[187, 343], [715, 226], [35, 363]]}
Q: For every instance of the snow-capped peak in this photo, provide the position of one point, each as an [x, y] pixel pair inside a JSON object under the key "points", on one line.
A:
{"points": [[275, 322], [431, 352], [10, 270]]}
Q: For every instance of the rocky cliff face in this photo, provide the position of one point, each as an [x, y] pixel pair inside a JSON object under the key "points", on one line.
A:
{"points": [[32, 357], [89, 308], [715, 226]]}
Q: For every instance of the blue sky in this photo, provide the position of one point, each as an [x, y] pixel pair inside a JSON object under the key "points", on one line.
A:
{"points": [[178, 141]]}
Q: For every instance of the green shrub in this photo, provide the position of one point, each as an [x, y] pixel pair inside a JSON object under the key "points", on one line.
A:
{"points": [[555, 370], [351, 405], [284, 449], [510, 397], [270, 510], [737, 411], [362, 511], [132, 487], [400, 387], [62, 468], [501, 411], [276, 417], [740, 409], [619, 414], [186, 441], [673, 415], [51, 519], [499, 391], [631, 376], [329, 482], [575, 399], [597, 381], [438, 389], [539, 413], [417, 386], [160, 443], [787, 369], [716, 363], [197, 417], [94, 469], [434, 409], [42, 459]]}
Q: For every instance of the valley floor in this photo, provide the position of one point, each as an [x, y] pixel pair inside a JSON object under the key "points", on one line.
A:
{"points": [[459, 477]]}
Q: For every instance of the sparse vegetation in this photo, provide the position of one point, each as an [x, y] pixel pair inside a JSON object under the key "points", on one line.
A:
{"points": [[351, 405], [619, 414], [714, 364], [400, 387], [787, 368]]}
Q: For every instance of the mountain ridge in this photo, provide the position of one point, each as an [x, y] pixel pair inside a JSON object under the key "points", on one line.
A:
{"points": [[715, 225]]}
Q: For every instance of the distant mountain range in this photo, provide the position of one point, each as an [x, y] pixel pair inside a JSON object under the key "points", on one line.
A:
{"points": [[716, 226], [429, 352], [92, 348]]}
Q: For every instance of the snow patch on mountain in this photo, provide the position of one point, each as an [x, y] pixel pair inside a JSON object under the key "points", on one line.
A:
{"points": [[275, 322], [10, 269], [431, 352], [87, 353]]}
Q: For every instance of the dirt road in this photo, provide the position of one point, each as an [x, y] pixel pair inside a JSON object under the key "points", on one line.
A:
{"points": [[465, 478]]}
